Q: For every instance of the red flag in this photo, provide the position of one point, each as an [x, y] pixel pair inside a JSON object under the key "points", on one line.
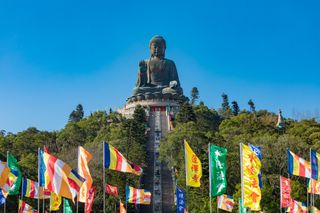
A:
{"points": [[112, 190], [89, 201], [285, 192]]}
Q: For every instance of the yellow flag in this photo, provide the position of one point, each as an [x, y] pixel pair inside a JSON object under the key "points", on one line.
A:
{"points": [[55, 202], [83, 159], [251, 168], [193, 167]]}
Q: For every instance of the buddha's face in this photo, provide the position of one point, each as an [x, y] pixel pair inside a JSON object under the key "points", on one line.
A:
{"points": [[157, 49]]}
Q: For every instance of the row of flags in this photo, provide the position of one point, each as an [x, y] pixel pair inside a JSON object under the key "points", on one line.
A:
{"points": [[251, 183], [58, 179]]}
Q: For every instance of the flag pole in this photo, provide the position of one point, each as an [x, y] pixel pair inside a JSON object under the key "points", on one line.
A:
{"points": [[241, 170], [38, 178], [210, 178], [280, 194], [104, 180], [78, 192], [5, 203], [186, 165]]}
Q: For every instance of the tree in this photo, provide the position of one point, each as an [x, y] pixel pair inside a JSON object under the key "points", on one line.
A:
{"points": [[186, 113], [76, 115], [225, 110], [235, 108], [252, 107], [194, 95]]}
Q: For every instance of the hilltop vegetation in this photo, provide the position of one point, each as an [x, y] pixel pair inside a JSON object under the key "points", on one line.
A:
{"points": [[226, 127]]}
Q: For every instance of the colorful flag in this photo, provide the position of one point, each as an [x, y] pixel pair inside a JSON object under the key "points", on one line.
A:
{"points": [[25, 208], [89, 201], [66, 206], [8, 185], [193, 167], [83, 159], [225, 202], [313, 187], [122, 208], [14, 168], [114, 160], [298, 166], [4, 172], [180, 197], [55, 202], [30, 189], [285, 196], [217, 170], [75, 182], [315, 162], [251, 168], [58, 177], [257, 150], [137, 196], [112, 190]]}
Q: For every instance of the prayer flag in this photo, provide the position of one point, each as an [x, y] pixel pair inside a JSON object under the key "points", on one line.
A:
{"points": [[298, 166], [112, 190], [217, 170], [89, 201], [83, 159], [30, 189], [315, 162], [58, 177], [25, 208], [114, 160], [285, 195], [251, 166], [14, 169], [137, 196], [55, 202], [225, 202], [193, 167]]}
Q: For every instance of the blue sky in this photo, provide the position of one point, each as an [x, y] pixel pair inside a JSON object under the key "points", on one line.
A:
{"points": [[56, 54]]}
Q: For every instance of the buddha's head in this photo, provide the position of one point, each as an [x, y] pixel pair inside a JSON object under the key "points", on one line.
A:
{"points": [[157, 46]]}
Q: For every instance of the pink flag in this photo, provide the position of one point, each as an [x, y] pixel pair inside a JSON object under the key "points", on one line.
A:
{"points": [[285, 192]]}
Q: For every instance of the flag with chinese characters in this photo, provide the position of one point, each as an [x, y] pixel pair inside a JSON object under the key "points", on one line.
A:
{"points": [[66, 206], [257, 150], [225, 202], [180, 200], [55, 202], [285, 192], [251, 168], [193, 167], [217, 170]]}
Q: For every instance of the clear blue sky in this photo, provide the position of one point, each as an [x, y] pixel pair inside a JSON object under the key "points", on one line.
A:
{"points": [[56, 54]]}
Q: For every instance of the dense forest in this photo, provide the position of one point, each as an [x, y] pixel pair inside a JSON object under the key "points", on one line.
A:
{"points": [[226, 127]]}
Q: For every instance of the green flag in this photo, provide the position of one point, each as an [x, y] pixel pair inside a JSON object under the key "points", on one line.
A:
{"points": [[218, 169], [14, 169], [241, 208], [66, 206]]}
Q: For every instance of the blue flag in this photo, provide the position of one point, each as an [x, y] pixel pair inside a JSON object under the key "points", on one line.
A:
{"points": [[257, 150], [180, 200], [2, 198]]}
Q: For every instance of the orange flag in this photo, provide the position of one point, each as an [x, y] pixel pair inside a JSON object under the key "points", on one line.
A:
{"points": [[122, 208], [83, 159]]}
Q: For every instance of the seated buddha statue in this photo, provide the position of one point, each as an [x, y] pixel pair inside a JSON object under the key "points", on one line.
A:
{"points": [[157, 76]]}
